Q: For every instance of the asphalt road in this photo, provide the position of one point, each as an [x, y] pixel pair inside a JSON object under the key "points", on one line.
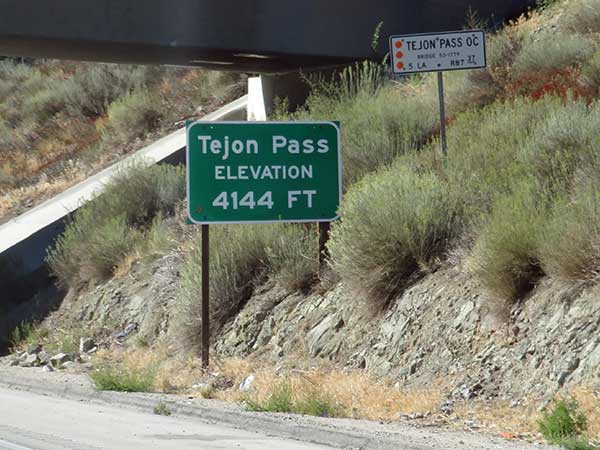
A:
{"points": [[34, 422]]}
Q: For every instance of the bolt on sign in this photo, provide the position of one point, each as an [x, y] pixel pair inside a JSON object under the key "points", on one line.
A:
{"points": [[457, 50], [251, 172]]}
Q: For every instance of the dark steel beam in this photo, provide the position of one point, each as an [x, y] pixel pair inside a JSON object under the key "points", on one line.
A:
{"points": [[248, 35]]}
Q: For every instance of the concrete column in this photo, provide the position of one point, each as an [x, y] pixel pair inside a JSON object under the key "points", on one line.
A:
{"points": [[264, 89]]}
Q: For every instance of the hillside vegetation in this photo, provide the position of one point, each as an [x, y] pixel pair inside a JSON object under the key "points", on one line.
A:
{"points": [[62, 121], [517, 197], [425, 248]]}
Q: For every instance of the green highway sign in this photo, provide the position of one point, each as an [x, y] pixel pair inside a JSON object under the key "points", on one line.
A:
{"points": [[250, 172]]}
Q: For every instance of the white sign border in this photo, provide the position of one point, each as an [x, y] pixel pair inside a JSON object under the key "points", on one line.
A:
{"points": [[244, 122], [478, 30]]}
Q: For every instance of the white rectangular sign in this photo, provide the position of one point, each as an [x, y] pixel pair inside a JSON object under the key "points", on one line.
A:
{"points": [[455, 50]]}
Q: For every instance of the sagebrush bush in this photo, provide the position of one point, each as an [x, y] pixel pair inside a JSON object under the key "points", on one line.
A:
{"points": [[293, 258], [94, 87], [591, 74], [505, 257], [47, 101], [108, 228], [130, 117], [394, 224], [485, 159], [477, 88], [566, 139], [379, 121], [551, 52], [570, 248], [582, 16], [241, 256]]}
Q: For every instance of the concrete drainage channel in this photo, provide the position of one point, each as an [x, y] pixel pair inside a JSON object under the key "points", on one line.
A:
{"points": [[24, 239]]}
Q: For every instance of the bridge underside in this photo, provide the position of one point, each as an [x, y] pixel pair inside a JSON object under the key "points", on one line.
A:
{"points": [[247, 35]]}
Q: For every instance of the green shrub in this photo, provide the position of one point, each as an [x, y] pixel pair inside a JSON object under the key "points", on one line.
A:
{"points": [[293, 256], [570, 248], [237, 259], [576, 443], [130, 117], [161, 409], [13, 71], [485, 156], [564, 141], [505, 257], [546, 4], [591, 74], [280, 401], [21, 333], [544, 54], [108, 378], [47, 101], [314, 403], [284, 399], [94, 87], [563, 422], [394, 224], [379, 122], [582, 16], [111, 226], [240, 257], [477, 88]]}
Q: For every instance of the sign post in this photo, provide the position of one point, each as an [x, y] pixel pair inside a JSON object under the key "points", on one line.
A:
{"points": [[438, 52], [440, 76], [261, 172], [205, 296]]}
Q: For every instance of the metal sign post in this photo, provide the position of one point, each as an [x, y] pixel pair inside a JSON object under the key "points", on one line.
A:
{"points": [[440, 79], [205, 297], [438, 52], [261, 172]]}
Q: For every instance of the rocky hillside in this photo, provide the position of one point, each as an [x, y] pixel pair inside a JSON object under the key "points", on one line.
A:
{"points": [[475, 275]]}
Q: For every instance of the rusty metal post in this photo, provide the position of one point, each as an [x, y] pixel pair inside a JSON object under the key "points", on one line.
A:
{"points": [[324, 228], [444, 144], [205, 298]]}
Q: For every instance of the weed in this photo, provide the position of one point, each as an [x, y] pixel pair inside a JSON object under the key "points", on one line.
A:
{"points": [[280, 400], [563, 142], [284, 398], [563, 423], [108, 378], [208, 391], [315, 403], [576, 443], [21, 333], [161, 409]]}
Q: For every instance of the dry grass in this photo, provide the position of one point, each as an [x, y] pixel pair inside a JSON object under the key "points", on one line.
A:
{"points": [[14, 201], [69, 117], [358, 394], [588, 399], [499, 417]]}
